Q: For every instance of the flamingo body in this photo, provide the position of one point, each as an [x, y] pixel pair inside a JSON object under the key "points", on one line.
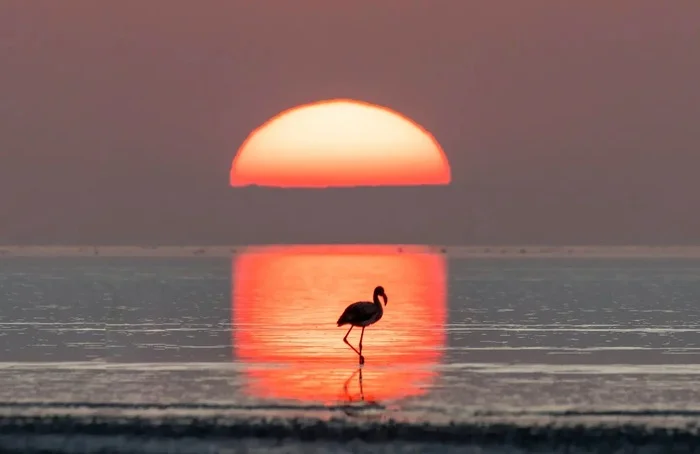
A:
{"points": [[361, 313]]}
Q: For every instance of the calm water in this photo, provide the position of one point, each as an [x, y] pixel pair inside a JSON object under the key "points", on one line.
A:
{"points": [[481, 344]]}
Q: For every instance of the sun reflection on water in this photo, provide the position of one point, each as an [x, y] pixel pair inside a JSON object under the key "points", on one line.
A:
{"points": [[286, 300]]}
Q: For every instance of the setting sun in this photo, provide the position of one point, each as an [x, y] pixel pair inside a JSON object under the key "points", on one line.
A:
{"points": [[340, 143]]}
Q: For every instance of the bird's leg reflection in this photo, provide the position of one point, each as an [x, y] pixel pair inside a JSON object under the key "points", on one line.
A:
{"points": [[367, 405], [347, 383]]}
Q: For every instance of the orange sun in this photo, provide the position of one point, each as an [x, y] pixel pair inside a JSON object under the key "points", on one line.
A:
{"points": [[340, 143]]}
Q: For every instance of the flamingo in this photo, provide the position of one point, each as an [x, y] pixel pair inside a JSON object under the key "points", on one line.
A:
{"points": [[363, 314]]}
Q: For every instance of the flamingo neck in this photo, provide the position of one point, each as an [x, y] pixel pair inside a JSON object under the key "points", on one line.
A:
{"points": [[376, 300]]}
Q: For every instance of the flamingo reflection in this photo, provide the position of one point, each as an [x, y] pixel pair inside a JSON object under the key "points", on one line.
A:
{"points": [[284, 297], [347, 384]]}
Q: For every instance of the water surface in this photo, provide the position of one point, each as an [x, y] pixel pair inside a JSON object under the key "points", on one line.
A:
{"points": [[522, 342]]}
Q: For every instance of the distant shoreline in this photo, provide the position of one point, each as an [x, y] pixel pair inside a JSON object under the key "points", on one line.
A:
{"points": [[511, 251]]}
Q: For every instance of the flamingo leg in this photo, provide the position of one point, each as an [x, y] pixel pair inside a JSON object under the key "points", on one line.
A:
{"points": [[345, 339], [361, 336], [362, 358]]}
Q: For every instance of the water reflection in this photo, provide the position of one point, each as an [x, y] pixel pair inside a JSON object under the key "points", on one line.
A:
{"points": [[349, 395], [285, 304]]}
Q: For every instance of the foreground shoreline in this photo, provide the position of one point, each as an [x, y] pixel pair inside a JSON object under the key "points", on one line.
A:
{"points": [[105, 431], [525, 251]]}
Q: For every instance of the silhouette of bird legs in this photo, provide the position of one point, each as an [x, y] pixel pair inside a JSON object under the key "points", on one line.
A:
{"points": [[360, 411], [345, 339], [347, 383]]}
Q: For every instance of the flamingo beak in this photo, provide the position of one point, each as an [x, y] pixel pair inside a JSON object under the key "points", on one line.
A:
{"points": [[386, 298]]}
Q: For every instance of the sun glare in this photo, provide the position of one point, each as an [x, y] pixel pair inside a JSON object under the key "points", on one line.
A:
{"points": [[285, 304], [340, 143]]}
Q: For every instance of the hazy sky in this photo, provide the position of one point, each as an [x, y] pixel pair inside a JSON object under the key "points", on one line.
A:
{"points": [[564, 122]]}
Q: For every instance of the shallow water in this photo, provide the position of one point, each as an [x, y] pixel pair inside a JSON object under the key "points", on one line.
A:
{"points": [[470, 347]]}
